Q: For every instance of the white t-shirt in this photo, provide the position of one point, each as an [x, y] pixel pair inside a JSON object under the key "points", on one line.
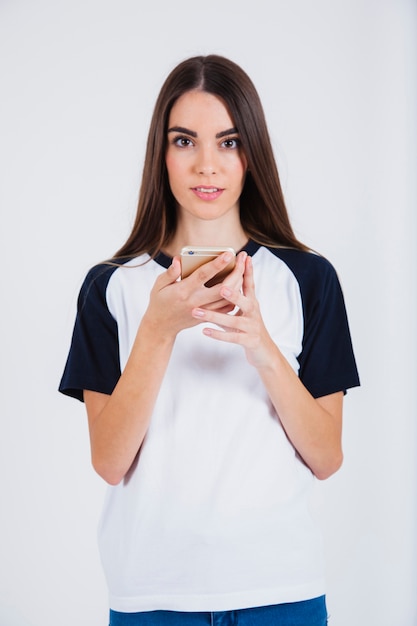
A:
{"points": [[213, 514]]}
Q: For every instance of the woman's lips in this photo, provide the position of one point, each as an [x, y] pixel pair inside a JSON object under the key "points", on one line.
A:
{"points": [[207, 193]]}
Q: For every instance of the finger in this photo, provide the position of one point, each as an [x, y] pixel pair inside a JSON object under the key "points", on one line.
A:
{"points": [[229, 323], [221, 306], [203, 273], [235, 278], [225, 335], [175, 267], [232, 295], [245, 302], [171, 275], [248, 279], [232, 292]]}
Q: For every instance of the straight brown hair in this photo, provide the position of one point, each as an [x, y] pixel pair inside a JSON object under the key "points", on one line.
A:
{"points": [[263, 213]]}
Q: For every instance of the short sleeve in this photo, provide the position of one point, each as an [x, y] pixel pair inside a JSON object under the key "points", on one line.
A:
{"points": [[93, 361], [327, 362]]}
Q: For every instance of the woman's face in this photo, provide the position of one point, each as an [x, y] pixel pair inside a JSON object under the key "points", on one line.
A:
{"points": [[206, 165]]}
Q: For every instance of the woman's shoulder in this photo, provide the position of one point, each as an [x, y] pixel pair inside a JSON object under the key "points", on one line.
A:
{"points": [[100, 273], [304, 262], [103, 270], [97, 277], [315, 275]]}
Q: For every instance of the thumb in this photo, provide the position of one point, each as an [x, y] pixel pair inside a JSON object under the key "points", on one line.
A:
{"points": [[175, 268], [172, 274]]}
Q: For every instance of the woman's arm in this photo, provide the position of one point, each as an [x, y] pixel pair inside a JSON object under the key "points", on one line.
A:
{"points": [[314, 426], [118, 422]]}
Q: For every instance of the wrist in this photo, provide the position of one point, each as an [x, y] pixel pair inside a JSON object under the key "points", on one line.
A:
{"points": [[151, 331]]}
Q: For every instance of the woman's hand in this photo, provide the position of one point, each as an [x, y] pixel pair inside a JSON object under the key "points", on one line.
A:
{"points": [[246, 327], [313, 425], [172, 300], [118, 422]]}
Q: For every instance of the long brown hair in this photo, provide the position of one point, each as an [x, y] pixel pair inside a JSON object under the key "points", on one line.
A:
{"points": [[263, 213]]}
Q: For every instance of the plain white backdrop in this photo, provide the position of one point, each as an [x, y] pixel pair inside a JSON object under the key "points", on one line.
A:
{"points": [[78, 83]]}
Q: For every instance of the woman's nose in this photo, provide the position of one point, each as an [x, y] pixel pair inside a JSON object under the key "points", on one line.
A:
{"points": [[206, 170], [206, 162]]}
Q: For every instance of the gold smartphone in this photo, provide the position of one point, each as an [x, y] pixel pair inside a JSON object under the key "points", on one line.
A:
{"points": [[193, 257]]}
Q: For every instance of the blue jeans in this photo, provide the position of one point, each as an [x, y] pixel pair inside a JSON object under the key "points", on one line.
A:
{"points": [[305, 613]]}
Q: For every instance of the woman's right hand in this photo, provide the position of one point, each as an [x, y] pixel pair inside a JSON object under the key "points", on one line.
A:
{"points": [[119, 422]]}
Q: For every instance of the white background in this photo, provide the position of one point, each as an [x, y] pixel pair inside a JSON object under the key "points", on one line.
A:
{"points": [[78, 83]]}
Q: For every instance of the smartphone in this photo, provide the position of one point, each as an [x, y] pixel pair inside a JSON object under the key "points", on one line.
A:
{"points": [[193, 257]]}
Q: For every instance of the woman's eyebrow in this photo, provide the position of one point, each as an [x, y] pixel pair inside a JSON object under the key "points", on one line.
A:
{"points": [[229, 131], [192, 133], [182, 129]]}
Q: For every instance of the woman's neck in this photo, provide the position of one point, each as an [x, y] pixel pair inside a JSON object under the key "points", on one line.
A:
{"points": [[207, 233]]}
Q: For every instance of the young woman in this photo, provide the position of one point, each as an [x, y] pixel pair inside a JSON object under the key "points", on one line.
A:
{"points": [[212, 409]]}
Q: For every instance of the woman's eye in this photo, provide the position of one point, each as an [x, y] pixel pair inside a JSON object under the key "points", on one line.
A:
{"points": [[231, 143], [182, 142]]}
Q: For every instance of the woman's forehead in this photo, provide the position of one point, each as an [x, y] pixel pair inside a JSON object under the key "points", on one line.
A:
{"points": [[200, 107]]}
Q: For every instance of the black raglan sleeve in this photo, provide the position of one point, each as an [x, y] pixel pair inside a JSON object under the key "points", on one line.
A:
{"points": [[93, 361], [327, 362]]}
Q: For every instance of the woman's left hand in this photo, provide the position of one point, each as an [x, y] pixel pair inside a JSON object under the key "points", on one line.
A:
{"points": [[313, 425], [245, 327]]}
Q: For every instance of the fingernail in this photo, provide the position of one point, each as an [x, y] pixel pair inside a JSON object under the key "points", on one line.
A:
{"points": [[226, 292], [198, 313]]}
